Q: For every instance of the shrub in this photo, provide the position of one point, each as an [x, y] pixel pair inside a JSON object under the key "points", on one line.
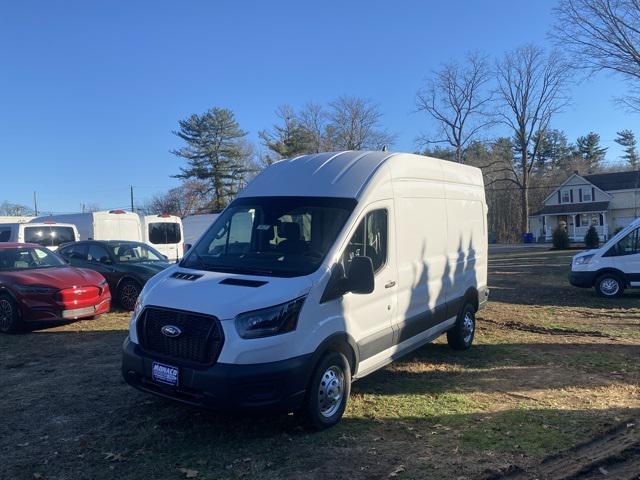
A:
{"points": [[561, 238], [592, 239], [618, 230]]}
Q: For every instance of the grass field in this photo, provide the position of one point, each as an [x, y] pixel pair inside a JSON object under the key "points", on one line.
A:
{"points": [[554, 370]]}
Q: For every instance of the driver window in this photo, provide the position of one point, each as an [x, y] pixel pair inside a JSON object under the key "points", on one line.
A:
{"points": [[235, 236], [369, 240], [628, 245], [97, 254]]}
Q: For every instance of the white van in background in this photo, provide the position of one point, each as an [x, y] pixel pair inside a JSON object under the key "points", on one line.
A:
{"points": [[15, 219], [106, 225], [165, 234], [613, 267], [48, 234], [325, 268], [195, 225]]}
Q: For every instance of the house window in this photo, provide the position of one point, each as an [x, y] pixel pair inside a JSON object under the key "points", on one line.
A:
{"points": [[566, 196], [586, 195]]}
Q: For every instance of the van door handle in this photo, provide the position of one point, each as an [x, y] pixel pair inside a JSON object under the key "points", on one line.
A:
{"points": [[390, 284]]}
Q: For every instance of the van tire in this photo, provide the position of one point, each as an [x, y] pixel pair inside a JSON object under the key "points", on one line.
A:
{"points": [[128, 292], [333, 372], [9, 321], [609, 285], [460, 336]]}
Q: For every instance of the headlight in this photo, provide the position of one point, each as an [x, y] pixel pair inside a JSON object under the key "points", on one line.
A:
{"points": [[583, 260], [37, 289], [270, 321]]}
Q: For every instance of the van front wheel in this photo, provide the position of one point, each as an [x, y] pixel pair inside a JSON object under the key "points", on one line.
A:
{"points": [[328, 391], [460, 336], [609, 285]]}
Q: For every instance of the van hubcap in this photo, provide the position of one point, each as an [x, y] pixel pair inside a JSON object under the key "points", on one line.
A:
{"points": [[468, 326], [609, 286], [6, 314], [331, 391]]}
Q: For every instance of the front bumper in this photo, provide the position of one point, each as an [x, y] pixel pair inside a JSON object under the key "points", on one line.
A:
{"points": [[277, 386], [37, 311], [582, 279]]}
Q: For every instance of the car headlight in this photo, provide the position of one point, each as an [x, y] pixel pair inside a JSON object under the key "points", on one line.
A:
{"points": [[37, 289], [270, 321], [583, 260]]}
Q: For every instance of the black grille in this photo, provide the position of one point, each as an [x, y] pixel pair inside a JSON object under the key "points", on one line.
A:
{"points": [[199, 342]]}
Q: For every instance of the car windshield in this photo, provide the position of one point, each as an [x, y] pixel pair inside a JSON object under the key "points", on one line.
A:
{"points": [[280, 236], [135, 252], [27, 258]]}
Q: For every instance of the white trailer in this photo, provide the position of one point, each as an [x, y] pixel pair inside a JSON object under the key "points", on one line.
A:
{"points": [[105, 225]]}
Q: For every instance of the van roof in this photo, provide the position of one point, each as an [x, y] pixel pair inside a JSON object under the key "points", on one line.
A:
{"points": [[331, 174]]}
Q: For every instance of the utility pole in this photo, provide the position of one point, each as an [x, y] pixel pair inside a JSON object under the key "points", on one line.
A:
{"points": [[35, 203], [131, 186]]}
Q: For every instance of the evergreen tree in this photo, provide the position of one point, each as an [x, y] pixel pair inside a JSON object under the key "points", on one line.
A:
{"points": [[592, 239], [554, 150], [588, 148], [215, 152], [627, 139], [288, 140]]}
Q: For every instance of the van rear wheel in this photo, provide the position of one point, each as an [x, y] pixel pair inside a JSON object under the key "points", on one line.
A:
{"points": [[460, 336], [328, 391]]}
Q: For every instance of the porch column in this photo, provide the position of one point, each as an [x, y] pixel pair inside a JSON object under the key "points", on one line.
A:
{"points": [[605, 227], [574, 227], [545, 227]]}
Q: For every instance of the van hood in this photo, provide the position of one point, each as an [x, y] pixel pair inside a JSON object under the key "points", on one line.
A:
{"points": [[207, 295]]}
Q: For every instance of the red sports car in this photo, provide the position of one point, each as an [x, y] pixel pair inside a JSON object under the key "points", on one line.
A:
{"points": [[36, 285]]}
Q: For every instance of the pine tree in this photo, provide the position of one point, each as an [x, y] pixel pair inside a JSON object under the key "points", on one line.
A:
{"points": [[288, 140], [588, 148], [592, 239], [215, 152], [554, 150], [627, 139]]}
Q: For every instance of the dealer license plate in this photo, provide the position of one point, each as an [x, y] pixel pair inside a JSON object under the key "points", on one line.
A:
{"points": [[166, 374]]}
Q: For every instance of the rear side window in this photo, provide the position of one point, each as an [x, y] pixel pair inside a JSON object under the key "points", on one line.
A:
{"points": [[5, 234], [49, 236], [164, 233], [97, 254], [369, 240]]}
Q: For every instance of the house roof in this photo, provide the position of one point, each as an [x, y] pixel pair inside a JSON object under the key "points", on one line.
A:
{"points": [[615, 181], [570, 208]]}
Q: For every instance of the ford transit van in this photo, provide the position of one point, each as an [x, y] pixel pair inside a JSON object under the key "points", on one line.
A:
{"points": [[325, 268], [48, 233], [165, 234], [611, 268]]}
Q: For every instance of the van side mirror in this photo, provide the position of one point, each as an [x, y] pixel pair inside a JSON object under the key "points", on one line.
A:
{"points": [[360, 276], [187, 247], [359, 280]]}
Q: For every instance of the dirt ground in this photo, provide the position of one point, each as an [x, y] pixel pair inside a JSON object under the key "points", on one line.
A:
{"points": [[551, 389]]}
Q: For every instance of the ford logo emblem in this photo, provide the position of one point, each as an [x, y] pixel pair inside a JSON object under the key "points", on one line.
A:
{"points": [[171, 331]]}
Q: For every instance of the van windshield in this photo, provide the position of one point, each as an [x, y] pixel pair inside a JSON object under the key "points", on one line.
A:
{"points": [[280, 236]]}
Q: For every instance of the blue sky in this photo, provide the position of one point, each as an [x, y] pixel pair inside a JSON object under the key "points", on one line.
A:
{"points": [[90, 91]]}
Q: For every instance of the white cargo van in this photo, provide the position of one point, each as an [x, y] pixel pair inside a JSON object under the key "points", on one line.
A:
{"points": [[15, 219], [195, 225], [325, 268], [106, 225], [48, 234], [611, 268], [165, 234]]}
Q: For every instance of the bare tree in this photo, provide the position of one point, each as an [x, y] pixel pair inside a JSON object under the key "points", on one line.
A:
{"points": [[602, 35], [531, 89], [190, 197], [456, 98], [354, 124], [313, 119], [14, 209]]}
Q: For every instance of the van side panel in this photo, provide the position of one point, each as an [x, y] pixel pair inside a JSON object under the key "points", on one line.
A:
{"points": [[421, 228]]}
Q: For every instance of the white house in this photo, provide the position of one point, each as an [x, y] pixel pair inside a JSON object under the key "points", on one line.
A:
{"points": [[606, 200]]}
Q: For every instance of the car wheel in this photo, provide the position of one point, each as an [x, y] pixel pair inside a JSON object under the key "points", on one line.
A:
{"points": [[9, 321], [609, 285], [128, 294], [328, 391], [460, 336]]}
